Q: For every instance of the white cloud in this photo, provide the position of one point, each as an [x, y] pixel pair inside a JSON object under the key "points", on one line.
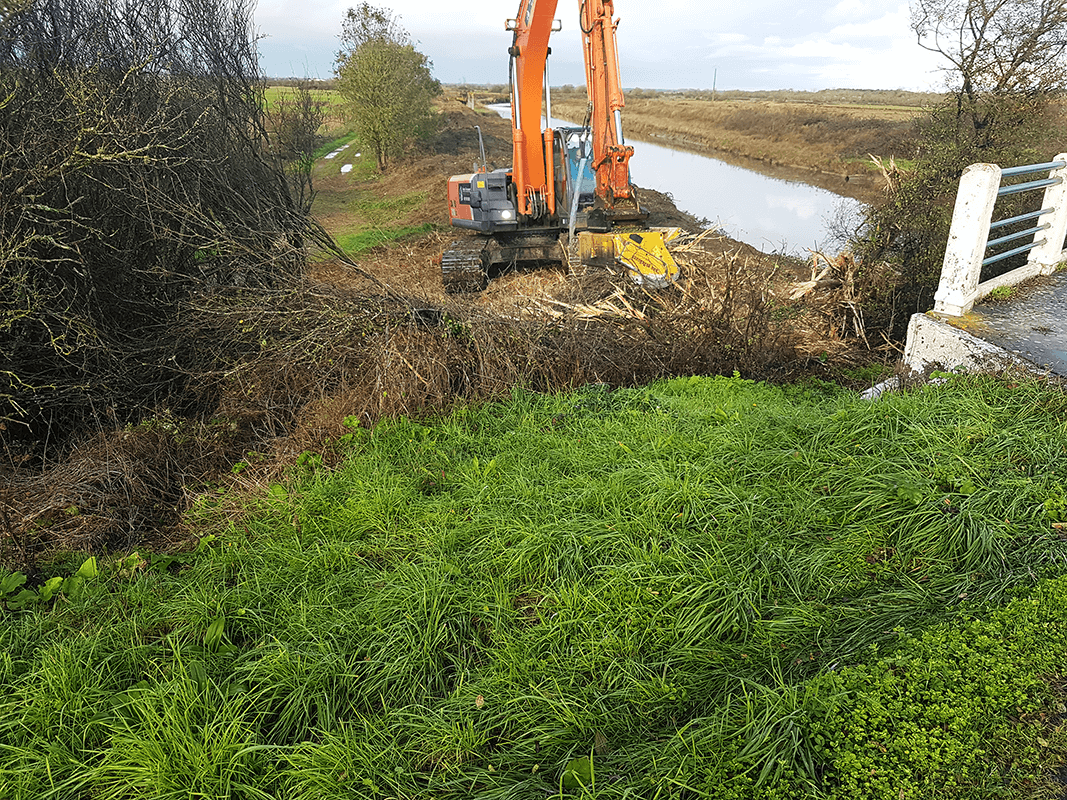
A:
{"points": [[850, 9], [892, 25], [757, 44]]}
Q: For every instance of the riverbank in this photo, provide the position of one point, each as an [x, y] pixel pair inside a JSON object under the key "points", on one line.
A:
{"points": [[827, 145], [369, 333]]}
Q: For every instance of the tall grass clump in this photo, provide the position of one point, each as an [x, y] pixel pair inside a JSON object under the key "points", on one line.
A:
{"points": [[703, 588]]}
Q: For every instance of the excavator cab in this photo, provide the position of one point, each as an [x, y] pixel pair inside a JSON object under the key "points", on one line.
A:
{"points": [[577, 152], [483, 201], [575, 179]]}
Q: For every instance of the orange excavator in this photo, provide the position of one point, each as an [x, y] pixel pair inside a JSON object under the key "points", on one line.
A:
{"points": [[573, 179]]}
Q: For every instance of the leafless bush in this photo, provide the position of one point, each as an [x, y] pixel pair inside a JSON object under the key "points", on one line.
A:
{"points": [[136, 175], [295, 121]]}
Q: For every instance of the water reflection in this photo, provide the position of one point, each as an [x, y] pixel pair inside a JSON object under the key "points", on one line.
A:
{"points": [[767, 213]]}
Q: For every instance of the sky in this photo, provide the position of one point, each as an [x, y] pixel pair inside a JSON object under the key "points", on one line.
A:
{"points": [[666, 44]]}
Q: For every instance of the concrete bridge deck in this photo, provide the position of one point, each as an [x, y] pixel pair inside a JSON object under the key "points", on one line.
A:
{"points": [[1028, 330]]}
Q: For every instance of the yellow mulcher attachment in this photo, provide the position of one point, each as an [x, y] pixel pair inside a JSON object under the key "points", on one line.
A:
{"points": [[643, 253]]}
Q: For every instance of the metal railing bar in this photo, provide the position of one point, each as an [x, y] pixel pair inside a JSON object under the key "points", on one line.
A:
{"points": [[1029, 169], [1021, 218], [1025, 187], [1013, 236], [1008, 254]]}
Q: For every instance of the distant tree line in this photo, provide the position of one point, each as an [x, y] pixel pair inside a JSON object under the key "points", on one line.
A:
{"points": [[315, 84]]}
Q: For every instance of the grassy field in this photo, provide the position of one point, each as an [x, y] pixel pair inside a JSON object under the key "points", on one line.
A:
{"points": [[330, 97], [704, 588]]}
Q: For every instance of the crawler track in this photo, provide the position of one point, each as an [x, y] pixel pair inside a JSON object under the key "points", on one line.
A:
{"points": [[463, 267]]}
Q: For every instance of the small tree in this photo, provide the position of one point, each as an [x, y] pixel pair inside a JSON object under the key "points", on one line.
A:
{"points": [[386, 82], [369, 24], [1005, 68], [1006, 60], [296, 119]]}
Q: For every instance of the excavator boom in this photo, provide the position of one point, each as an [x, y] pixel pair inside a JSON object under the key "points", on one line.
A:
{"points": [[611, 155], [532, 160]]}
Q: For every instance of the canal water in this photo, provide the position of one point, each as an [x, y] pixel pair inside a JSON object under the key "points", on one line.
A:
{"points": [[771, 214]]}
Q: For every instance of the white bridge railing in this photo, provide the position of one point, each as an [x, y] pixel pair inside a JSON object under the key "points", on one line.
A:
{"points": [[972, 228]]}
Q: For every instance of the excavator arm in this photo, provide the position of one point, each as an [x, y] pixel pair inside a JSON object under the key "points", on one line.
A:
{"points": [[532, 161], [611, 155], [523, 210]]}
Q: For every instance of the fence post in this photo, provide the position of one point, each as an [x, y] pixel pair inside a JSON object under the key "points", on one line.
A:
{"points": [[1050, 254], [967, 239]]}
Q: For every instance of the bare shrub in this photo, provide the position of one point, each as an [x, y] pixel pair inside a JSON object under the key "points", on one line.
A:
{"points": [[295, 121], [136, 174]]}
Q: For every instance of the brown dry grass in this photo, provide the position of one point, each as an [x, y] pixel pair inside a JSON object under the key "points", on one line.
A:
{"points": [[341, 348], [116, 490]]}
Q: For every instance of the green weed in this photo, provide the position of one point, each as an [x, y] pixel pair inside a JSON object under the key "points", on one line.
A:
{"points": [[363, 240], [1003, 293]]}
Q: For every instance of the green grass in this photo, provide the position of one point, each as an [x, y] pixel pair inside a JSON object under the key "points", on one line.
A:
{"points": [[347, 137], [360, 241], [705, 588], [381, 210], [1003, 293], [275, 94], [367, 221]]}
